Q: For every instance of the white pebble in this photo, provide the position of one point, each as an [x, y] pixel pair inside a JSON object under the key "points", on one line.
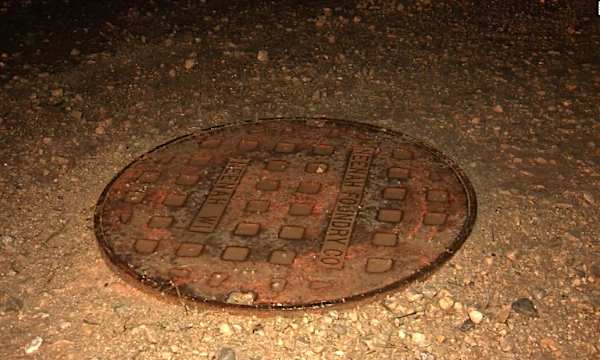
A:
{"points": [[446, 303], [418, 338], [34, 345], [475, 316], [225, 329]]}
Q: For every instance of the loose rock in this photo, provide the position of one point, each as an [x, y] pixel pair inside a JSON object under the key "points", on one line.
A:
{"points": [[6, 240], [466, 325], [446, 303], [11, 304], [189, 63], [226, 353], [525, 306], [34, 346], [503, 314], [475, 316], [225, 329], [262, 56], [57, 92], [77, 115], [418, 338]]}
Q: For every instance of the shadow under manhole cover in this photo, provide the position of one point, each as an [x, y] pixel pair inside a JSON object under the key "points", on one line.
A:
{"points": [[284, 213]]}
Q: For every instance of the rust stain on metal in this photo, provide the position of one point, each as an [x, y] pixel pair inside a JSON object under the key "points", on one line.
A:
{"points": [[284, 214]]}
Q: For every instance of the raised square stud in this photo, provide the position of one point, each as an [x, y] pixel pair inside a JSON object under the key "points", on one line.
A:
{"points": [[390, 215], [437, 207], [175, 199], [145, 247], [267, 185], [309, 187], [149, 176], [247, 145], [322, 149], [432, 218], [247, 229], [291, 232], [301, 209], [257, 206], [398, 173], [235, 253], [435, 176], [385, 239], [403, 154], [160, 222], [378, 265], [187, 179], [282, 257], [394, 193], [210, 143], [276, 165], [134, 197], [285, 147], [437, 195], [200, 159], [316, 168], [187, 249]]}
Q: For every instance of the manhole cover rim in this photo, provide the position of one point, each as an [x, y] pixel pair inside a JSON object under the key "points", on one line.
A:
{"points": [[167, 288]]}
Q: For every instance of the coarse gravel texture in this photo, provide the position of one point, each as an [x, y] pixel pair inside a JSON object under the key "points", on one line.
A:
{"points": [[509, 89]]}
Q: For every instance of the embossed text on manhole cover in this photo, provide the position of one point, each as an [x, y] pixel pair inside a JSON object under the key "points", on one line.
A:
{"points": [[284, 213]]}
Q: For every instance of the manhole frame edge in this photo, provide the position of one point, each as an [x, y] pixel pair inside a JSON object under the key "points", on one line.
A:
{"points": [[169, 292]]}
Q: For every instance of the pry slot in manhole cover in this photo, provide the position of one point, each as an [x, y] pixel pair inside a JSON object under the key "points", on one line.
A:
{"points": [[284, 213]]}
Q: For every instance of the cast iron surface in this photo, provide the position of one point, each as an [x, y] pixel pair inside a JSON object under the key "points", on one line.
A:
{"points": [[284, 213]]}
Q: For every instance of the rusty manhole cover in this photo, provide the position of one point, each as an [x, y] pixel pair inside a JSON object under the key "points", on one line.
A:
{"points": [[284, 213]]}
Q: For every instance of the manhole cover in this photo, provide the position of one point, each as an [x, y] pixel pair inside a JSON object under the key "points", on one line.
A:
{"points": [[284, 213]]}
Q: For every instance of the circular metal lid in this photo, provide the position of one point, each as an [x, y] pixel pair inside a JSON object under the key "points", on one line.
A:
{"points": [[284, 213]]}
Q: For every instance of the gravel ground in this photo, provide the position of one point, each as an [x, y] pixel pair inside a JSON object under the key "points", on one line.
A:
{"points": [[509, 89]]}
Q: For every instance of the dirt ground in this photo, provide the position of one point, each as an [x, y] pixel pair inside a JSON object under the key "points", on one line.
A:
{"points": [[509, 89]]}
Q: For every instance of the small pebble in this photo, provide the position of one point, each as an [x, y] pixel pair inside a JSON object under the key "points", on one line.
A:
{"points": [[446, 303], [75, 52], [225, 329], [466, 325], [418, 338], [475, 316], [587, 196], [6, 240], [498, 109], [34, 346], [503, 314], [63, 325], [262, 56], [77, 115], [226, 353], [189, 63], [412, 297], [57, 92], [458, 306], [525, 306], [11, 304]]}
